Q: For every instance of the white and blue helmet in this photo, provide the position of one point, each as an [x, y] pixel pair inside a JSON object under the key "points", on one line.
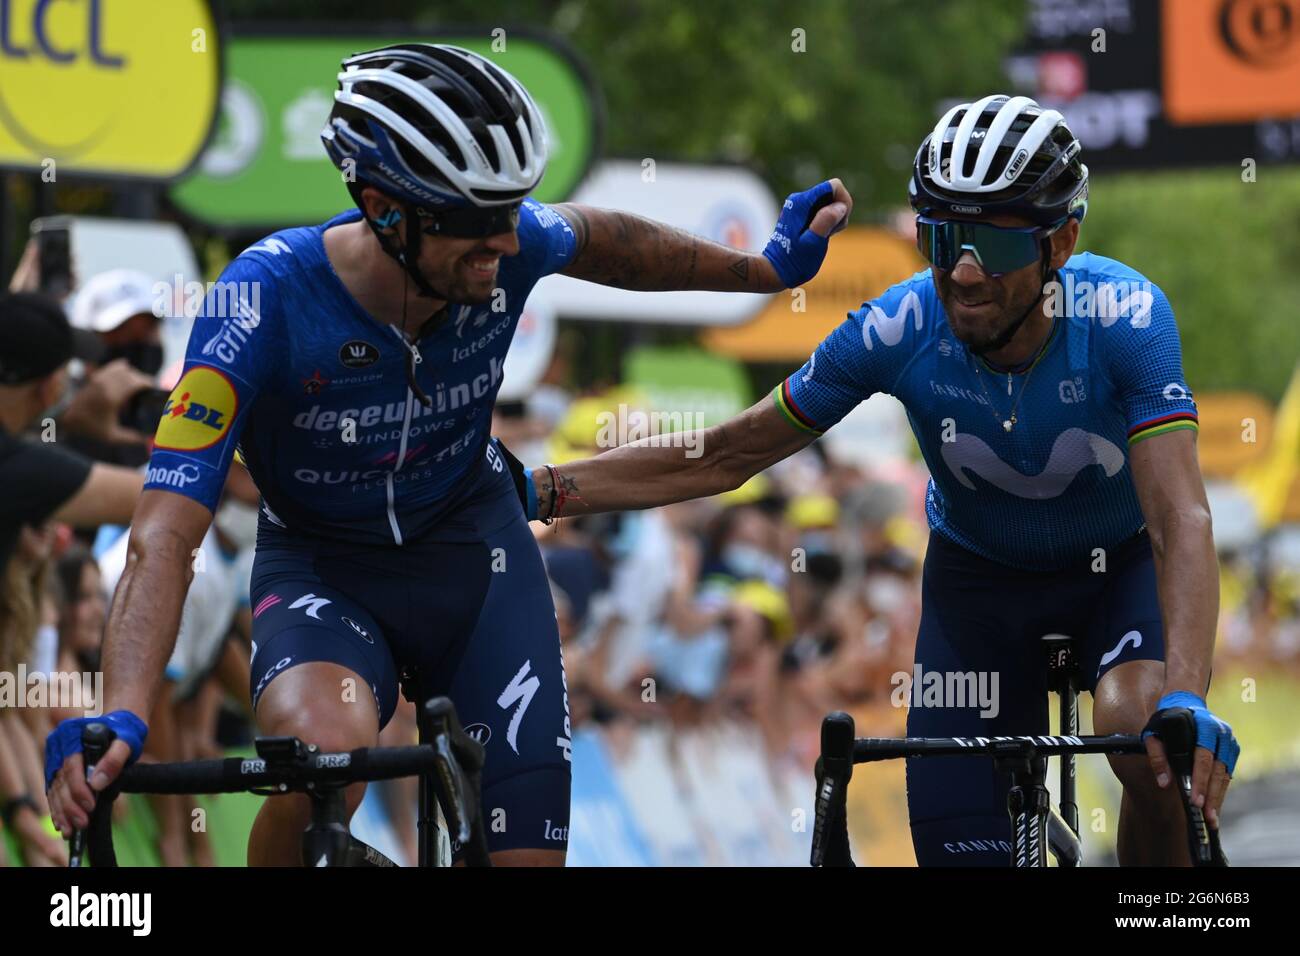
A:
{"points": [[435, 126]]}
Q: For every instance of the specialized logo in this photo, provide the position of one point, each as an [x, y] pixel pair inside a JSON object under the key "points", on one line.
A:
{"points": [[1131, 639], [272, 246], [312, 603], [1073, 451], [521, 690], [358, 354], [198, 412], [1175, 392], [889, 328], [480, 732]]}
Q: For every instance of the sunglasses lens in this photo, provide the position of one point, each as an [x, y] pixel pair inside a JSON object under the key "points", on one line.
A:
{"points": [[472, 222], [944, 242]]}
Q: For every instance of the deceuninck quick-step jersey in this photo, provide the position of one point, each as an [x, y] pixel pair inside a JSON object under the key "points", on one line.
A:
{"points": [[1057, 486], [286, 366]]}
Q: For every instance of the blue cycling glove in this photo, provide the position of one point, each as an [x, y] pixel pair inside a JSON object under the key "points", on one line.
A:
{"points": [[65, 739], [795, 251], [1211, 733]]}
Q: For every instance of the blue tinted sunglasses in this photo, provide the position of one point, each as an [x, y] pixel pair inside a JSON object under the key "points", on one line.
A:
{"points": [[997, 249]]}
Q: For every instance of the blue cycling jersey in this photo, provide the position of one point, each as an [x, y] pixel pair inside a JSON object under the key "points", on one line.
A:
{"points": [[1056, 486], [285, 365]]}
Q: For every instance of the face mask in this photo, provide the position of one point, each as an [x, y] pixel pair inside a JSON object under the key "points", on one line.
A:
{"points": [[886, 593], [817, 542], [238, 522], [746, 561], [147, 357]]}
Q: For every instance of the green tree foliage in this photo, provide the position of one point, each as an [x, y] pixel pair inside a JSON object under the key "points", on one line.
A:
{"points": [[1224, 252], [720, 80]]}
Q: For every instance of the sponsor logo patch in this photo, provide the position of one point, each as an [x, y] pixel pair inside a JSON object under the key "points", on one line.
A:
{"points": [[358, 354], [198, 412]]}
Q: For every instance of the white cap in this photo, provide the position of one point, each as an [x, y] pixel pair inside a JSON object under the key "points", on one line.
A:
{"points": [[110, 298]]}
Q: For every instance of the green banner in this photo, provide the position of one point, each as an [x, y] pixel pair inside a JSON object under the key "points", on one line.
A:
{"points": [[266, 166], [709, 388]]}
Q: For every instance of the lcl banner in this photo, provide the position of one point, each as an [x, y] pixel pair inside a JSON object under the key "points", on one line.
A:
{"points": [[1151, 84]]}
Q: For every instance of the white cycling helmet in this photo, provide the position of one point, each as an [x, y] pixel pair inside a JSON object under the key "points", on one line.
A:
{"points": [[1000, 155], [436, 125]]}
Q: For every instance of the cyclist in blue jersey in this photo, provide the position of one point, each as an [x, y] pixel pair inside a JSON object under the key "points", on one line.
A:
{"points": [[354, 366], [1046, 392]]}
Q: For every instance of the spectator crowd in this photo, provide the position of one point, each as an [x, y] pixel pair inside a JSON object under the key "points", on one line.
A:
{"points": [[761, 609]]}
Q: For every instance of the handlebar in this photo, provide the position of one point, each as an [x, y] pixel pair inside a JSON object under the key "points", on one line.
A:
{"points": [[840, 751], [286, 765]]}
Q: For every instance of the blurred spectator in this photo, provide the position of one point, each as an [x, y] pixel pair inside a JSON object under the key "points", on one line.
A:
{"points": [[40, 479], [120, 309]]}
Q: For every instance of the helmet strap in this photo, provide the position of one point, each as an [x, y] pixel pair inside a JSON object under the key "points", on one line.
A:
{"points": [[408, 257]]}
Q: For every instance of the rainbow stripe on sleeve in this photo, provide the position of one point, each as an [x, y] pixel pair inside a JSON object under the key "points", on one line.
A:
{"points": [[785, 402], [1161, 425]]}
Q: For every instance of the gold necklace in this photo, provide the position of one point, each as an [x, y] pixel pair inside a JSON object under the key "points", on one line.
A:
{"points": [[1010, 423]]}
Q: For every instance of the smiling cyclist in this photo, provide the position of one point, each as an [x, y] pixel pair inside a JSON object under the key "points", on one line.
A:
{"points": [[1046, 392], [354, 364]]}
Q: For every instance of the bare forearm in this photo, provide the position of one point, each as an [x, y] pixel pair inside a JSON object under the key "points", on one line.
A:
{"points": [[143, 622], [672, 467], [638, 475], [1188, 574], [631, 252]]}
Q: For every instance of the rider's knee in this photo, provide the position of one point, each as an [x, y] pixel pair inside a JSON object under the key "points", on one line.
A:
{"points": [[1126, 697], [322, 704]]}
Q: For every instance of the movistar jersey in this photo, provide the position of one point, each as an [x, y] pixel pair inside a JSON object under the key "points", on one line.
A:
{"points": [[285, 364], [1057, 485]]}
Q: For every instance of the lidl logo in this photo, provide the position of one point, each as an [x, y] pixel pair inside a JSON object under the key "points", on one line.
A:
{"points": [[198, 412]]}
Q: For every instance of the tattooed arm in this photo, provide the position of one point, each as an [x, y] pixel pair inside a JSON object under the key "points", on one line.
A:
{"points": [[675, 467], [631, 252]]}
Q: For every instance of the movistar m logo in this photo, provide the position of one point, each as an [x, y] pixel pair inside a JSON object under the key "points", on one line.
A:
{"points": [[1073, 451], [889, 328]]}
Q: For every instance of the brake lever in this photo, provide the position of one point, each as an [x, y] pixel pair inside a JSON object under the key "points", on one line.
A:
{"points": [[830, 843], [96, 738], [1177, 731]]}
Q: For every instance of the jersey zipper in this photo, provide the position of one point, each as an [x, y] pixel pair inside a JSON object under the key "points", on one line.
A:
{"points": [[401, 448]]}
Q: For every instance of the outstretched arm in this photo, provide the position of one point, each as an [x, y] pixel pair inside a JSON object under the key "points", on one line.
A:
{"points": [[675, 467], [632, 252]]}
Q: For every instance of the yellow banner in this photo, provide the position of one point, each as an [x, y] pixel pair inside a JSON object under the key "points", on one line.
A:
{"points": [[861, 262], [107, 87]]}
